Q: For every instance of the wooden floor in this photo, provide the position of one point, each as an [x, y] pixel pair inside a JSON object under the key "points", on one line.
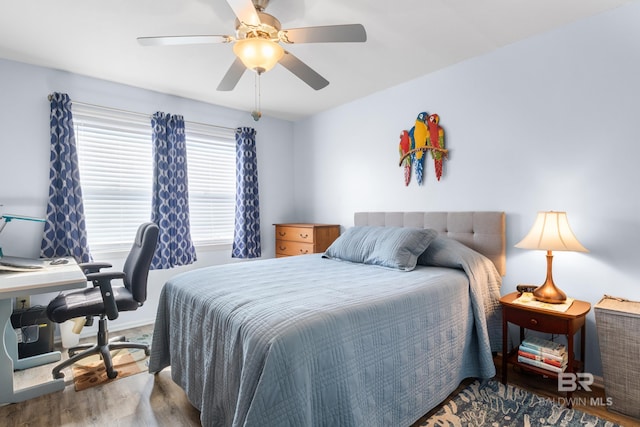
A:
{"points": [[138, 400], [155, 400]]}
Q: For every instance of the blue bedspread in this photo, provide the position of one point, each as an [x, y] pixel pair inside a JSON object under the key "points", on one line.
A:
{"points": [[307, 341]]}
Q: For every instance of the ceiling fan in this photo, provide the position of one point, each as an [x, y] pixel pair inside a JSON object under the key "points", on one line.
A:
{"points": [[257, 43]]}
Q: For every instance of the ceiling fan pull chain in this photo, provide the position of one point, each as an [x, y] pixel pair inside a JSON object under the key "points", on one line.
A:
{"points": [[256, 114]]}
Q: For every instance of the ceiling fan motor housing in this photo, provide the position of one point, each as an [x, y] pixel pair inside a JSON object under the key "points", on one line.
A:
{"points": [[268, 29], [260, 5]]}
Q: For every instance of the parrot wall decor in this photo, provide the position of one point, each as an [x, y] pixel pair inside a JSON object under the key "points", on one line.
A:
{"points": [[436, 139], [425, 135], [418, 136], [405, 147]]}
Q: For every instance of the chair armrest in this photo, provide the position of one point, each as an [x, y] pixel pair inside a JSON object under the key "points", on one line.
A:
{"points": [[93, 267], [105, 275], [103, 279]]}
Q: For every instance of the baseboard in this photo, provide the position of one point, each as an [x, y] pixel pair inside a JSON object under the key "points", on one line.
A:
{"points": [[598, 381], [120, 326], [89, 332]]}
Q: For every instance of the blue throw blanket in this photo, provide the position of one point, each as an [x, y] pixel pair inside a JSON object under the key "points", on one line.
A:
{"points": [[305, 341]]}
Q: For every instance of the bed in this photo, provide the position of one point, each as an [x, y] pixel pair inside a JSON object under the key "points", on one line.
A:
{"points": [[319, 340]]}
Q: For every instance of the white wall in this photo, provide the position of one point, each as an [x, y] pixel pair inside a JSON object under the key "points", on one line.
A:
{"points": [[24, 161], [550, 123]]}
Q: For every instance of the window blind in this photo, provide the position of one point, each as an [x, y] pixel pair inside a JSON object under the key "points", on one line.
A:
{"points": [[116, 175], [211, 159]]}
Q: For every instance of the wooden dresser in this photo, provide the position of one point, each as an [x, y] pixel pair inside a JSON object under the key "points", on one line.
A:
{"points": [[302, 238]]}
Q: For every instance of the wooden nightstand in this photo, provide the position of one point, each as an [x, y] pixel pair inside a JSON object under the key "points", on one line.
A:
{"points": [[564, 323], [302, 238]]}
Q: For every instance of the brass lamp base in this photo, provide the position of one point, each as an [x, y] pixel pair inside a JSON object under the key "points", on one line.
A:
{"points": [[548, 292]]}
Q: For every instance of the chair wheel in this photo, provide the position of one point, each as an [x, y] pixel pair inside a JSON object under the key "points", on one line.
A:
{"points": [[112, 374], [58, 376], [147, 352]]}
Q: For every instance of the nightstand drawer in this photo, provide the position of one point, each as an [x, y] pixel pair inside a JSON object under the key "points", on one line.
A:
{"points": [[295, 234], [287, 247], [536, 321]]}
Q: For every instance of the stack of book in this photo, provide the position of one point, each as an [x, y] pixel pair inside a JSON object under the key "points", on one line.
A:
{"points": [[543, 354]]}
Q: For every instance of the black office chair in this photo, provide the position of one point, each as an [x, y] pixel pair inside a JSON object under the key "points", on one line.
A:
{"points": [[106, 301]]}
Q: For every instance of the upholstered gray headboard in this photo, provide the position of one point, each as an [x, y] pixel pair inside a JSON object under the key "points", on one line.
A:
{"points": [[484, 232]]}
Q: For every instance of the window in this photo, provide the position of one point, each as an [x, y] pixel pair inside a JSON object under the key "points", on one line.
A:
{"points": [[116, 174]]}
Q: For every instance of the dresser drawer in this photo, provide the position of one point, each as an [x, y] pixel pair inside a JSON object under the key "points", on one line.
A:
{"points": [[295, 234], [296, 238], [288, 248]]}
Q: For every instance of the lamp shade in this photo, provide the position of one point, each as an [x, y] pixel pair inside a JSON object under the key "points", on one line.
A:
{"points": [[258, 54], [551, 232]]}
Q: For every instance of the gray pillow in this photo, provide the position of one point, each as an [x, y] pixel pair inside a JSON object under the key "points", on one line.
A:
{"points": [[444, 252], [391, 247]]}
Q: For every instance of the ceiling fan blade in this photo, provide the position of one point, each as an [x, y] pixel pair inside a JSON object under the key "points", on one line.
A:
{"points": [[326, 34], [245, 11], [179, 40], [232, 77], [303, 71]]}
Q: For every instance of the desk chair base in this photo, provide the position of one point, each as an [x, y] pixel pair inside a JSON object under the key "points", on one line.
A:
{"points": [[103, 347]]}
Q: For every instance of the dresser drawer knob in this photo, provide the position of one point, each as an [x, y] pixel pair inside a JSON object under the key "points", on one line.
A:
{"points": [[304, 251], [534, 321], [282, 233], [304, 236], [282, 248]]}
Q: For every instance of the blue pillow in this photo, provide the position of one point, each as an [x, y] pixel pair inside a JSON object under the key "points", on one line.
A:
{"points": [[390, 247]]}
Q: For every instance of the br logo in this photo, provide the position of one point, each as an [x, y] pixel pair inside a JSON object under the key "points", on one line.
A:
{"points": [[568, 381]]}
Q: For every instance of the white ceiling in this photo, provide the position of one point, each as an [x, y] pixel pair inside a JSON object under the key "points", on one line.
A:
{"points": [[406, 39]]}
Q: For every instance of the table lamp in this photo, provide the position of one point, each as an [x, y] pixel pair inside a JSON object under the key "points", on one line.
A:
{"points": [[8, 218], [550, 232]]}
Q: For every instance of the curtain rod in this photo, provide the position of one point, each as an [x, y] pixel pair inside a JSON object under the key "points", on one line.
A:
{"points": [[117, 110]]}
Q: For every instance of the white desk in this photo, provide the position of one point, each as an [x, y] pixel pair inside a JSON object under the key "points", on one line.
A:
{"points": [[53, 278]]}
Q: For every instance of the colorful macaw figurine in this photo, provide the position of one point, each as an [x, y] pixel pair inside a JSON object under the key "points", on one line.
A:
{"points": [[405, 146], [418, 135], [436, 139]]}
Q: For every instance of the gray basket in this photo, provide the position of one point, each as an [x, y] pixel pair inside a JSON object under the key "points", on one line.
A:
{"points": [[618, 325]]}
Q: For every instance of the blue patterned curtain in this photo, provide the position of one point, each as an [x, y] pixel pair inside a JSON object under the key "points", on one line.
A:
{"points": [[170, 204], [65, 232], [246, 239]]}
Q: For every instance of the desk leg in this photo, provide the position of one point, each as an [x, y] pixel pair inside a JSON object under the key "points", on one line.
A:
{"points": [[8, 352], [37, 360]]}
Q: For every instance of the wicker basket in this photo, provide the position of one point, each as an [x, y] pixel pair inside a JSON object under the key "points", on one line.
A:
{"points": [[618, 325]]}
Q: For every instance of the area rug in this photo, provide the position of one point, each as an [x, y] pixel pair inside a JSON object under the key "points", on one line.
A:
{"points": [[491, 403], [91, 372]]}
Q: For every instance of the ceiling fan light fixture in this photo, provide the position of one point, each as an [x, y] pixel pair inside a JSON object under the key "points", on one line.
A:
{"points": [[258, 54]]}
